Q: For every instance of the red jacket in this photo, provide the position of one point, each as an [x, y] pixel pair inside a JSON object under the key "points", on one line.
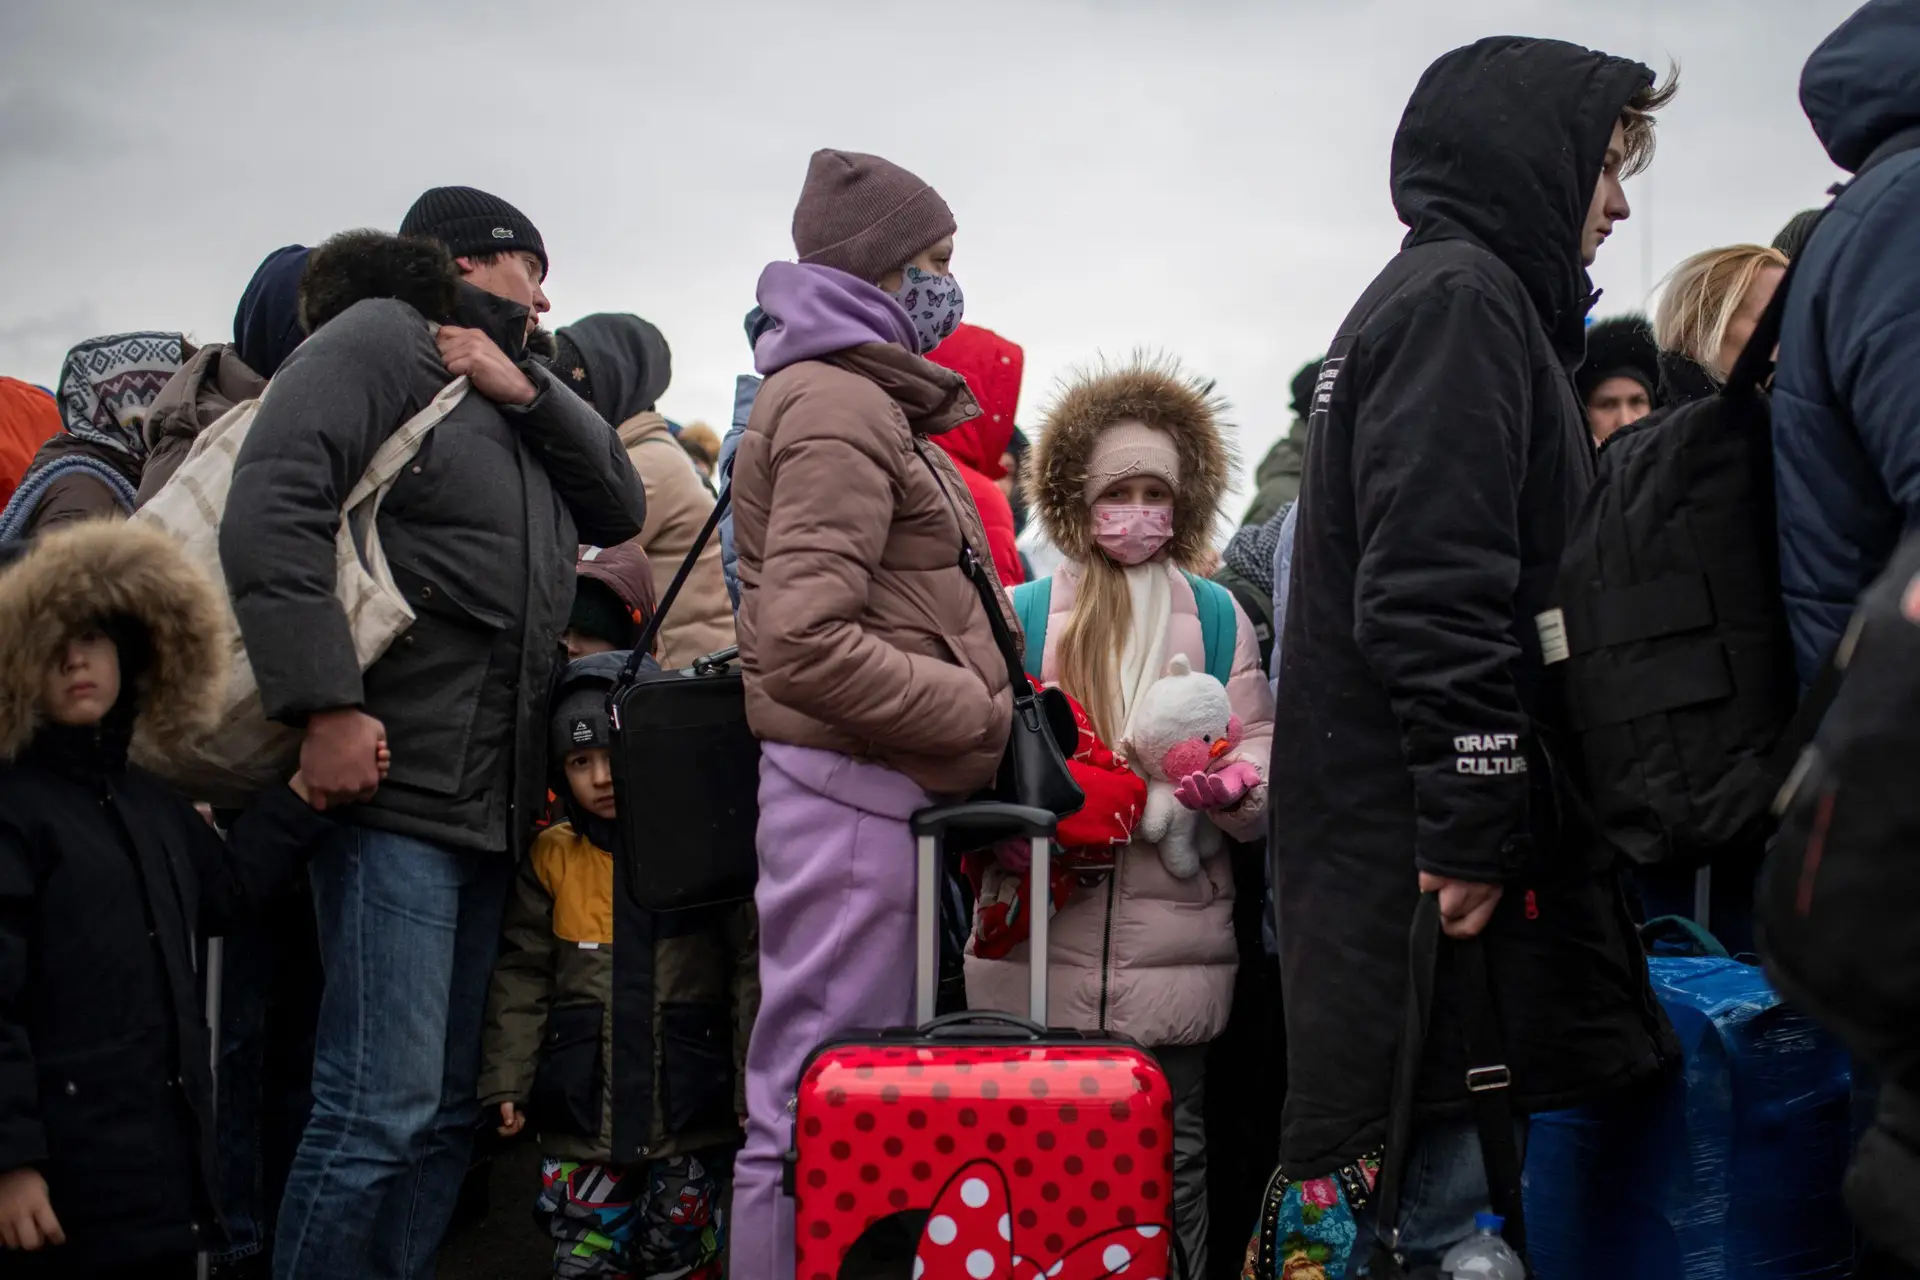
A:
{"points": [[992, 367]]}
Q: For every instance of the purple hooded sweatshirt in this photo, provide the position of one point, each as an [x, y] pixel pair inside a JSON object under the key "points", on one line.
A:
{"points": [[817, 311], [835, 893]]}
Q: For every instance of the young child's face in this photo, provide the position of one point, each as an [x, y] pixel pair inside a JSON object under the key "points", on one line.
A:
{"points": [[590, 774], [581, 645], [82, 680]]}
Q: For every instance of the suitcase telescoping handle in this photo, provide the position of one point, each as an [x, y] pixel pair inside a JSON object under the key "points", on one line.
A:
{"points": [[931, 827]]}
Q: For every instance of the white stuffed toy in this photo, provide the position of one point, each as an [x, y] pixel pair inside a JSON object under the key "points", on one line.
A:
{"points": [[1181, 729]]}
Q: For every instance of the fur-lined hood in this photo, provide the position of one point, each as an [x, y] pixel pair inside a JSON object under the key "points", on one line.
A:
{"points": [[1157, 392], [356, 265], [104, 569]]}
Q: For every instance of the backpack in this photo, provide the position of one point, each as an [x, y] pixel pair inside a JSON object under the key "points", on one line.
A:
{"points": [[1219, 628], [1840, 889], [1667, 632]]}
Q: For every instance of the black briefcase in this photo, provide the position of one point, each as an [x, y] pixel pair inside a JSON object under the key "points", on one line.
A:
{"points": [[686, 771]]}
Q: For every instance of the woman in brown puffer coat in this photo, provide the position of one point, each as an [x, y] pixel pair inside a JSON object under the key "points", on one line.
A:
{"points": [[872, 676]]}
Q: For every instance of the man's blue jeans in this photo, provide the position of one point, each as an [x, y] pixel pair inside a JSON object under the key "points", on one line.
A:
{"points": [[1445, 1184], [408, 934]]}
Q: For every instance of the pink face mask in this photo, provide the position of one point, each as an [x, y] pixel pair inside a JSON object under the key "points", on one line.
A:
{"points": [[1131, 534]]}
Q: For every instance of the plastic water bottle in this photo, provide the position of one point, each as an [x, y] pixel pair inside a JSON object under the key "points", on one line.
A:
{"points": [[1484, 1255]]}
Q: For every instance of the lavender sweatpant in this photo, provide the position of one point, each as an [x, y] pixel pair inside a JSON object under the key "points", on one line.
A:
{"points": [[836, 954]]}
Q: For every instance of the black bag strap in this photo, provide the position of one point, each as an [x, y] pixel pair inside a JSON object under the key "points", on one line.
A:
{"points": [[1490, 1085], [1489, 1081], [643, 646], [978, 576], [1422, 951], [1756, 361], [1755, 364]]}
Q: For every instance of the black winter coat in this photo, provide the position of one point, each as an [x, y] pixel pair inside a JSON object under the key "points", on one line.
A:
{"points": [[108, 881], [1446, 454], [481, 532]]}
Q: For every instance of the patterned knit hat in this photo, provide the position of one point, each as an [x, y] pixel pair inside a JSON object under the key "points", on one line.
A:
{"points": [[865, 215], [107, 385], [471, 222]]}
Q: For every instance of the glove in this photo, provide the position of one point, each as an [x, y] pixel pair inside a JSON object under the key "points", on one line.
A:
{"points": [[1015, 855], [1219, 790]]}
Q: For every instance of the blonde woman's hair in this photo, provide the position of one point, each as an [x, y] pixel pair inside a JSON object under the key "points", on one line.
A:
{"points": [[1090, 644], [1699, 299]]}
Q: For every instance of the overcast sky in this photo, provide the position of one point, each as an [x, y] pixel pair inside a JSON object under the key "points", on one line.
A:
{"points": [[1203, 176]]}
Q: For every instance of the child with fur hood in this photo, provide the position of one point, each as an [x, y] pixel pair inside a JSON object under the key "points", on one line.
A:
{"points": [[1127, 478], [108, 882]]}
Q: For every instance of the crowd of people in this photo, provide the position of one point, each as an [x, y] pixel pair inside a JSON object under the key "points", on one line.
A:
{"points": [[422, 933]]}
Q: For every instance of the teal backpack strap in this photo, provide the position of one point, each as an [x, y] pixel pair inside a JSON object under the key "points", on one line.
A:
{"points": [[1032, 602], [1219, 628]]}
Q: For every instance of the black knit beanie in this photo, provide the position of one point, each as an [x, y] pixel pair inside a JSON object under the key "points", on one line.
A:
{"points": [[1304, 380], [579, 720], [471, 223]]}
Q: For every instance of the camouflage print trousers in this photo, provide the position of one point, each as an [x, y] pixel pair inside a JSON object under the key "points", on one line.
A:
{"points": [[660, 1221]]}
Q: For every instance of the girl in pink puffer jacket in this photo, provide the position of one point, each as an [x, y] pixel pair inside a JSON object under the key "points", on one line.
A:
{"points": [[1127, 478]]}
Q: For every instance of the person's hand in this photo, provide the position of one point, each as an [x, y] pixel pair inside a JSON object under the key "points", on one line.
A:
{"points": [[512, 1120], [472, 353], [383, 760], [1465, 905], [1219, 790], [26, 1215], [340, 758]]}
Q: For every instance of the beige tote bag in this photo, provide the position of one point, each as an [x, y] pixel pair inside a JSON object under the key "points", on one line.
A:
{"points": [[246, 752]]}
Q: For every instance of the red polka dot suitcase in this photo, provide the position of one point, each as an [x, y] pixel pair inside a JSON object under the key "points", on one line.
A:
{"points": [[982, 1146]]}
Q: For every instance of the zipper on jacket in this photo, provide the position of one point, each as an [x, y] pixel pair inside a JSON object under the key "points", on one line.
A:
{"points": [[1106, 942]]}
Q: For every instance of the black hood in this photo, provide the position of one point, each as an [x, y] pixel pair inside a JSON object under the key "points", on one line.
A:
{"points": [[628, 362], [356, 265], [1502, 144]]}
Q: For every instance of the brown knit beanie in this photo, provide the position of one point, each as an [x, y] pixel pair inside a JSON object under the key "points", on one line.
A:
{"points": [[865, 215]]}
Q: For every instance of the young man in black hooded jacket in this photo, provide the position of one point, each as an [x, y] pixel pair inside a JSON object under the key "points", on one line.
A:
{"points": [[1447, 453]]}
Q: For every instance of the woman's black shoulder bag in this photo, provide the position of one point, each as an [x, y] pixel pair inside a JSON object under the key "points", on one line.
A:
{"points": [[1033, 772]]}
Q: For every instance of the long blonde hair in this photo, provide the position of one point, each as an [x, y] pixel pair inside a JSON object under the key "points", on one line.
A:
{"points": [[1701, 297], [1090, 645]]}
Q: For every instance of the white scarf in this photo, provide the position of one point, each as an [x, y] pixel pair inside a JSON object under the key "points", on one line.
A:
{"points": [[1143, 655]]}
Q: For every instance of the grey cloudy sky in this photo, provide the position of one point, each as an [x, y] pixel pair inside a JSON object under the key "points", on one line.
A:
{"points": [[1207, 176]]}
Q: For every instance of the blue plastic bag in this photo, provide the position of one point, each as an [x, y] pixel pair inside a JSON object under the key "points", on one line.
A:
{"points": [[1729, 1170]]}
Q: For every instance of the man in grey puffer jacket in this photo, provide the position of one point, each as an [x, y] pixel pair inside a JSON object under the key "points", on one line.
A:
{"points": [[481, 532]]}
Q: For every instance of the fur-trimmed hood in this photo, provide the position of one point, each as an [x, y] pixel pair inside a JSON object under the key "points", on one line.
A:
{"points": [[1159, 393], [106, 569], [356, 265]]}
